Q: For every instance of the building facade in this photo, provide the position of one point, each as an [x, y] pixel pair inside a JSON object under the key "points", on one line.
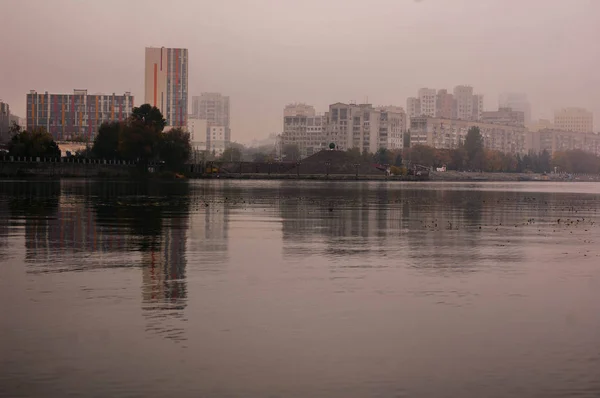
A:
{"points": [[427, 102], [574, 119], [77, 115], [4, 122], [413, 107], [364, 127], [553, 140], [198, 130], [451, 133], [166, 83], [216, 141], [215, 109], [517, 102], [445, 105], [304, 128], [506, 116]]}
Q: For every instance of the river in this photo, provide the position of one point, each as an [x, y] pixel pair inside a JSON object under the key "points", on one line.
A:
{"points": [[299, 289]]}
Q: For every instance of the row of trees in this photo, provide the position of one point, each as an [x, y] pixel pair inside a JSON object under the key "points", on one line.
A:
{"points": [[36, 142]]}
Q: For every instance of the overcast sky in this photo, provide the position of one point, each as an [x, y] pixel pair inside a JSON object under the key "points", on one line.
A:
{"points": [[267, 53]]}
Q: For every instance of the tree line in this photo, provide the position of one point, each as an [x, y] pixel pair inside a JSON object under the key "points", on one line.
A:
{"points": [[140, 138]]}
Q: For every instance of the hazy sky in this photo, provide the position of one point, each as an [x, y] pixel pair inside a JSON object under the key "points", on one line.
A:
{"points": [[267, 53]]}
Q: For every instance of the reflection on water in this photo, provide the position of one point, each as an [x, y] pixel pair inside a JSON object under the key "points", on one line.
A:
{"points": [[298, 289]]}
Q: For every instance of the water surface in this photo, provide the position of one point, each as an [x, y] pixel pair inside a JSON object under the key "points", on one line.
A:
{"points": [[295, 289]]}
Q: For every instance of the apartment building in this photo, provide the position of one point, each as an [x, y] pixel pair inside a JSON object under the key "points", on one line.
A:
{"points": [[517, 102], [216, 140], [506, 116], [553, 140], [413, 107], [427, 101], [198, 130], [166, 83], [469, 106], [215, 109], [77, 115], [574, 119], [445, 105], [392, 127], [303, 127], [451, 133]]}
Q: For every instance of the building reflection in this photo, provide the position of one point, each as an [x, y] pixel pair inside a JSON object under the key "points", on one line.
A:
{"points": [[444, 230]]}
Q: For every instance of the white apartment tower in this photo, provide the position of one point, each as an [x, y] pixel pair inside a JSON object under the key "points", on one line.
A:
{"points": [[516, 102], [574, 119], [166, 83], [468, 106]]}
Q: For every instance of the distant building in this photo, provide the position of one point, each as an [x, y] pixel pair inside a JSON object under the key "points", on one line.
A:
{"points": [[413, 107], [4, 121], [77, 115], [304, 128], [215, 109], [445, 105], [540, 124], [451, 133], [166, 83], [517, 102], [215, 141], [505, 116], [574, 119], [198, 130], [553, 140], [427, 102], [468, 105], [364, 127]]}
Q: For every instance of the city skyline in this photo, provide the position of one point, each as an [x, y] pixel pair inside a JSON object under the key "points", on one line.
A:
{"points": [[269, 62]]}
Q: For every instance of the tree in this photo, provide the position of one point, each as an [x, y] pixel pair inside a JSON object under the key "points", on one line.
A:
{"points": [[139, 141], [406, 139], [332, 146], [291, 152], [106, 143], [383, 156], [231, 154], [149, 116], [34, 143], [398, 160], [474, 148], [175, 148], [260, 157], [422, 154]]}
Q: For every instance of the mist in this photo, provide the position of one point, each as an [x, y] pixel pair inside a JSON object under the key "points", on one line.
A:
{"points": [[265, 54]]}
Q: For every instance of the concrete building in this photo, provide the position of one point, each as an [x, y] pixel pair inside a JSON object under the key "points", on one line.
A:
{"points": [[166, 83], [215, 109], [517, 102], [574, 119], [4, 122], [451, 133], [427, 101], [198, 130], [553, 140], [304, 128], [469, 106], [392, 127], [506, 116], [364, 127], [77, 115], [216, 141], [445, 105], [540, 124], [413, 107]]}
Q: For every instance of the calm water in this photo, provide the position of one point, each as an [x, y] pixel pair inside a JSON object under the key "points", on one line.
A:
{"points": [[286, 289]]}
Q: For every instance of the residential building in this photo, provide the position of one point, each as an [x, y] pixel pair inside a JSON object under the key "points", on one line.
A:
{"points": [[506, 116], [166, 83], [445, 105], [77, 115], [364, 127], [540, 125], [392, 127], [468, 105], [451, 133], [413, 107], [517, 102], [553, 140], [427, 101], [304, 128], [215, 141], [214, 108], [198, 130], [4, 122], [574, 119]]}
